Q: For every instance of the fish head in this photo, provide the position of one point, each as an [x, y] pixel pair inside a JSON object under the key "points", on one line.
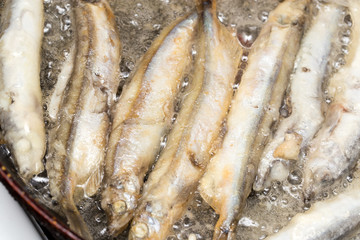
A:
{"points": [[145, 225], [153, 220], [119, 205]]}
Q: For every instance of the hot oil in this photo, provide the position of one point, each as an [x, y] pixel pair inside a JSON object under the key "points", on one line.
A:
{"points": [[268, 211], [139, 22]]}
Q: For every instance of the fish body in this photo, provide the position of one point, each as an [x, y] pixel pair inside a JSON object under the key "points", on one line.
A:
{"points": [[62, 80], [335, 149], [164, 162], [295, 131], [335, 218], [193, 138], [21, 114], [77, 151], [141, 118], [229, 176]]}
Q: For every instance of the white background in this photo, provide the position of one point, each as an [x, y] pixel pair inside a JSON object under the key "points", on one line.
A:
{"points": [[14, 223]]}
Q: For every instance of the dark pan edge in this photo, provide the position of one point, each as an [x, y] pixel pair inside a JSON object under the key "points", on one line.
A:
{"points": [[27, 203]]}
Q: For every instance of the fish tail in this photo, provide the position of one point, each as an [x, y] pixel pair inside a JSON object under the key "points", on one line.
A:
{"points": [[224, 233], [213, 6], [200, 4], [73, 216], [76, 222]]}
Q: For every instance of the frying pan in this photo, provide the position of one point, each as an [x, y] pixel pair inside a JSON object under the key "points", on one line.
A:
{"points": [[47, 218]]}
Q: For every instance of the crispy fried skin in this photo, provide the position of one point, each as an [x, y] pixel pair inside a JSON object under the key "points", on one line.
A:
{"points": [[142, 116], [77, 152], [229, 176], [21, 114], [295, 132], [188, 151], [335, 149]]}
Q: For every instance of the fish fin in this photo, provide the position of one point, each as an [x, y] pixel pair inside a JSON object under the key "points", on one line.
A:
{"points": [[228, 39], [75, 220], [220, 233], [73, 216], [199, 5], [206, 189], [93, 183]]}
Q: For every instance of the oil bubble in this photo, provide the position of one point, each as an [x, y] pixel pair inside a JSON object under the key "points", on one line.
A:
{"points": [[262, 237], [349, 178], [266, 191], [222, 18], [284, 201], [176, 226], [47, 28], [156, 26], [273, 198], [263, 16], [348, 20], [247, 35], [60, 10], [295, 177]]}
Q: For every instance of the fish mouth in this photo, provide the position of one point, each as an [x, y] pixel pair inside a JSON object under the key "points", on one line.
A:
{"points": [[118, 222], [119, 210], [145, 226], [139, 231]]}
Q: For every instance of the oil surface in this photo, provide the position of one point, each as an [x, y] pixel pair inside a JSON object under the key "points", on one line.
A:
{"points": [[139, 22]]}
